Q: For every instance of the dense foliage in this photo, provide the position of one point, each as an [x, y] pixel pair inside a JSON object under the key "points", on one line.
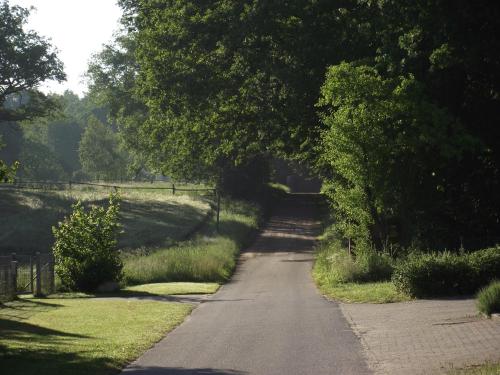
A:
{"points": [[26, 60], [85, 247], [404, 132], [437, 274]]}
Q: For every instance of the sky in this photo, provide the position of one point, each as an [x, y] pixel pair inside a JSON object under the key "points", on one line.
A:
{"points": [[78, 29]]}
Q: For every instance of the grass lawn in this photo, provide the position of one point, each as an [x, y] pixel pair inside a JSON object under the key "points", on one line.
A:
{"points": [[486, 369], [379, 292], [81, 335], [150, 218], [174, 288]]}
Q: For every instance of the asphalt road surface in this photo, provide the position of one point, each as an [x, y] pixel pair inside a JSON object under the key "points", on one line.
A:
{"points": [[269, 319]]}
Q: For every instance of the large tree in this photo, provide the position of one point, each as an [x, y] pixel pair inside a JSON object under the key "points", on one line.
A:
{"points": [[26, 60], [226, 82]]}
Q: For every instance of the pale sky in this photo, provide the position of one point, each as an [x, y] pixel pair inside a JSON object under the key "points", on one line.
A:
{"points": [[77, 28]]}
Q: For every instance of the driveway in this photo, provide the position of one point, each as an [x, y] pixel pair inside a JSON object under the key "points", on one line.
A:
{"points": [[269, 319]]}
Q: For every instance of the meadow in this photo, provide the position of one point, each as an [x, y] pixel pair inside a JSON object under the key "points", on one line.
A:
{"points": [[150, 218]]}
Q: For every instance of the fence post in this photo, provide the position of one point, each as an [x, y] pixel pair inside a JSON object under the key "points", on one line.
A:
{"points": [[13, 278], [173, 189], [38, 285], [218, 208], [349, 245], [52, 281], [31, 275]]}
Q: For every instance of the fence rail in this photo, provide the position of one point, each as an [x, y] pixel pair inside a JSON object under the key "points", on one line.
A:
{"points": [[62, 185], [26, 273]]}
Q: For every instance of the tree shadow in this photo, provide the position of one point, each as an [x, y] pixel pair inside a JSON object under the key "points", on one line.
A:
{"points": [[157, 370], [21, 361], [21, 331]]}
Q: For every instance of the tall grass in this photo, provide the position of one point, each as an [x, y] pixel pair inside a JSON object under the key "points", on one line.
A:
{"points": [[488, 299], [209, 257]]}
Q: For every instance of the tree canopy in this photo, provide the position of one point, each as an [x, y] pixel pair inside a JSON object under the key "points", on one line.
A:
{"points": [[395, 104], [26, 60]]}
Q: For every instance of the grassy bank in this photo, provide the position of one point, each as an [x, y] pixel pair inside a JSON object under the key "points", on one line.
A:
{"points": [[81, 335], [208, 257], [341, 277], [150, 217]]}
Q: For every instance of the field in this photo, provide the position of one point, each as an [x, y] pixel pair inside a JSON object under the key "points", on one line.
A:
{"points": [[150, 218]]}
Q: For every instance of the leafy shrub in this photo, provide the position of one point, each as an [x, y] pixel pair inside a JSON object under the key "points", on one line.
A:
{"points": [[374, 266], [335, 265], [486, 264], [488, 299], [85, 247], [438, 274]]}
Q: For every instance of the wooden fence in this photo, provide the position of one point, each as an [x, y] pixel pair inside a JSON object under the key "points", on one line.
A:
{"points": [[122, 185], [26, 274]]}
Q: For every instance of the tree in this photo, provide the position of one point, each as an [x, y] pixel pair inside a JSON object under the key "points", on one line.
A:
{"points": [[378, 135], [225, 83], [100, 153], [26, 60]]}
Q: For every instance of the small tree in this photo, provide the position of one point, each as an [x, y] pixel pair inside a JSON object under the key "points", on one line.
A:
{"points": [[85, 247]]}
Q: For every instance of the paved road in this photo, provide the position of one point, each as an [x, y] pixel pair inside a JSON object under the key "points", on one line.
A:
{"points": [[269, 319], [424, 336]]}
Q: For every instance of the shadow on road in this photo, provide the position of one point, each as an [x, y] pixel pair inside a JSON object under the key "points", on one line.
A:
{"points": [[137, 370]]}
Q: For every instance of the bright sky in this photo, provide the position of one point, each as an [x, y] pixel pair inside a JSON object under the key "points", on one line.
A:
{"points": [[78, 29]]}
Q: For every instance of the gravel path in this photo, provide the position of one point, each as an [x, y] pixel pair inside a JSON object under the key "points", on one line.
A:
{"points": [[269, 319], [424, 336]]}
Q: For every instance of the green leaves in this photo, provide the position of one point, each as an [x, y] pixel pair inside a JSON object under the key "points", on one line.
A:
{"points": [[26, 60], [85, 247]]}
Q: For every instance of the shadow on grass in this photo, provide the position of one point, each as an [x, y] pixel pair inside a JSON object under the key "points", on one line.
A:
{"points": [[153, 370], [46, 362], [18, 330], [27, 218]]}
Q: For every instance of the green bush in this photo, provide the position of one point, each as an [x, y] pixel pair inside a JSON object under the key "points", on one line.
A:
{"points": [[85, 247], [488, 299], [439, 274], [335, 265], [486, 264]]}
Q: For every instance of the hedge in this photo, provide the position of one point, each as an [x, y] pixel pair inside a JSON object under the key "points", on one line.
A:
{"points": [[444, 274]]}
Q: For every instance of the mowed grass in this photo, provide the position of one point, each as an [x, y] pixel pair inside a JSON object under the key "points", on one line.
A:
{"points": [[150, 218], [210, 257], [174, 288], [81, 335], [486, 369], [377, 292]]}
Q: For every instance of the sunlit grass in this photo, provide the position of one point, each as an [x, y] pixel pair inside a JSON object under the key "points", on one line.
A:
{"points": [[81, 335], [209, 257], [378, 292], [174, 288]]}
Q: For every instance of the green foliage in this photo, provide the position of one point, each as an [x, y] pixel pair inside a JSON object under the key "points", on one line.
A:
{"points": [[7, 173], [27, 59], [334, 265], [488, 299], [437, 274], [85, 247], [375, 131], [100, 154]]}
